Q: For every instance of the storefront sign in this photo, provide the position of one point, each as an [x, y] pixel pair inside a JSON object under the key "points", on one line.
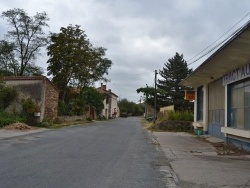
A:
{"points": [[190, 95], [237, 74]]}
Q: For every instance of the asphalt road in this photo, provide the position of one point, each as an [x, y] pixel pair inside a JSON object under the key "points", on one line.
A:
{"points": [[110, 154]]}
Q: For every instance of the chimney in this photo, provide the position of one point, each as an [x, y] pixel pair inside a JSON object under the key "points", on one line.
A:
{"points": [[103, 87]]}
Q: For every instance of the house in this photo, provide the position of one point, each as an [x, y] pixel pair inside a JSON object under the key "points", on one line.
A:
{"points": [[222, 91], [111, 109], [40, 90]]}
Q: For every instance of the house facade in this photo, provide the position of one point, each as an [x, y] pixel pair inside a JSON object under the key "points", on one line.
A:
{"points": [[222, 91], [38, 88], [111, 109]]}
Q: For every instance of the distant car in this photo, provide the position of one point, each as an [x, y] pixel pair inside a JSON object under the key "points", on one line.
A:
{"points": [[124, 114]]}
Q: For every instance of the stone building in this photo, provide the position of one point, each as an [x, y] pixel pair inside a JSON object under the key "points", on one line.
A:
{"points": [[38, 88]]}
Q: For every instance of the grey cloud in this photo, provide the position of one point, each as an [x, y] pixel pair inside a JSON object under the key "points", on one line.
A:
{"points": [[140, 36]]}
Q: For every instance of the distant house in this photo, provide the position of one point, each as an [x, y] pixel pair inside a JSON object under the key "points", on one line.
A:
{"points": [[40, 90], [111, 109]]}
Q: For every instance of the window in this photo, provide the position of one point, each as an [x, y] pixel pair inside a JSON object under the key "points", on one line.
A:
{"points": [[200, 103], [240, 105], [216, 103]]}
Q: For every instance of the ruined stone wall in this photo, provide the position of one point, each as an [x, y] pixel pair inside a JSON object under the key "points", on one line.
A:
{"points": [[26, 89]]}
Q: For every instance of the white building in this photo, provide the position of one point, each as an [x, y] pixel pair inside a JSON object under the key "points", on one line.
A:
{"points": [[222, 85], [111, 109]]}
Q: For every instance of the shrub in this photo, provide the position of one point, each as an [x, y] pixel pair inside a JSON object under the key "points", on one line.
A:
{"points": [[6, 119], [89, 119], [182, 126], [44, 124], [30, 107], [180, 115], [57, 120], [101, 118], [7, 95]]}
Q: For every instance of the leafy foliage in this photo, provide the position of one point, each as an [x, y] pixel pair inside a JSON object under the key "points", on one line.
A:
{"points": [[131, 108], [73, 61], [24, 40], [181, 115], [94, 98], [30, 107], [7, 95], [149, 93], [173, 73], [75, 105], [6, 119]]}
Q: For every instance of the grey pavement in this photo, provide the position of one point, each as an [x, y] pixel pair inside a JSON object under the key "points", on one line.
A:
{"points": [[196, 163]]}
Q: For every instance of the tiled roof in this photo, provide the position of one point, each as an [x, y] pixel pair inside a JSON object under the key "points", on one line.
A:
{"points": [[106, 92]]}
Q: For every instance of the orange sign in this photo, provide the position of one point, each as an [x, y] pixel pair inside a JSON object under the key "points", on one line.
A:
{"points": [[190, 95]]}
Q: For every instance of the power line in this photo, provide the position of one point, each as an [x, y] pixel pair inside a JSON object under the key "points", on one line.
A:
{"points": [[216, 41], [133, 75]]}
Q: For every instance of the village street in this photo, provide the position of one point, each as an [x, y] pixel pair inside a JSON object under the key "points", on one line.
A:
{"points": [[116, 153]]}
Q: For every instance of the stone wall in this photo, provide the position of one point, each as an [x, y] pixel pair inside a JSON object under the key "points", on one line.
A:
{"points": [[26, 89], [40, 90], [71, 118], [51, 100]]}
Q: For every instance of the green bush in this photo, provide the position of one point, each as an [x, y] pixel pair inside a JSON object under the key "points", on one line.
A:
{"points": [[180, 116], [101, 118], [89, 119], [177, 126], [62, 109], [6, 119], [57, 120], [30, 107], [7, 95]]}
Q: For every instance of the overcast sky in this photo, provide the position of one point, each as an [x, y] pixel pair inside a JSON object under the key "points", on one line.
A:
{"points": [[140, 35]]}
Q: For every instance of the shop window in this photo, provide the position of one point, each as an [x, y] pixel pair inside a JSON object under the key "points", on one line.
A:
{"points": [[240, 105], [200, 103]]}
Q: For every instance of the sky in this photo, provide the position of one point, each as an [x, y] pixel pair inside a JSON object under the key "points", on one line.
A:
{"points": [[140, 35]]}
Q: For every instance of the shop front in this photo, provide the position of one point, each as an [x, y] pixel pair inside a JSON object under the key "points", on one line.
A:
{"points": [[222, 91]]}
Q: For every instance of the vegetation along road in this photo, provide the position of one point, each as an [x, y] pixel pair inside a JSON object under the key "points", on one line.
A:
{"points": [[116, 153]]}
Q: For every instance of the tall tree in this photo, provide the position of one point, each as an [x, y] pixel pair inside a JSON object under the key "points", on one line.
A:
{"points": [[149, 93], [24, 40], [175, 70], [8, 62], [73, 61]]}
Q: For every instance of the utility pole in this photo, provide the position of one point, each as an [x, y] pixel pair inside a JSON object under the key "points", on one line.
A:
{"points": [[155, 96], [146, 108]]}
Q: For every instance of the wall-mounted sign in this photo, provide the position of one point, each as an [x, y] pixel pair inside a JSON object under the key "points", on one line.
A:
{"points": [[237, 74], [189, 95]]}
